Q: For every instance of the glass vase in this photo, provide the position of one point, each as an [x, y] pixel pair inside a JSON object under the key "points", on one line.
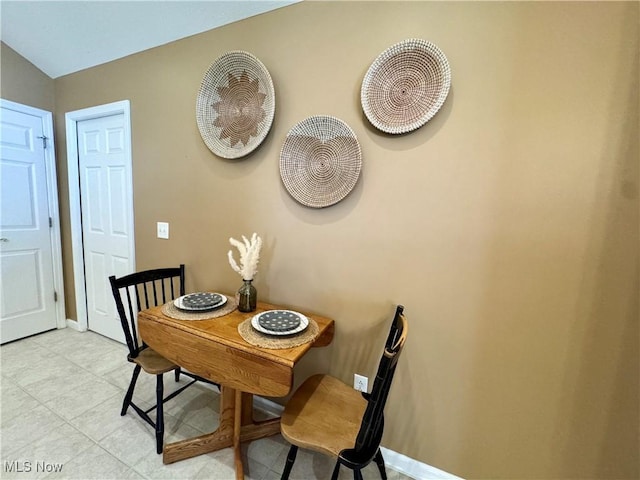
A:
{"points": [[247, 296]]}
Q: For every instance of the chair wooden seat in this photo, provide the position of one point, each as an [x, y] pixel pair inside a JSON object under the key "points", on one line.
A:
{"points": [[152, 362], [323, 415]]}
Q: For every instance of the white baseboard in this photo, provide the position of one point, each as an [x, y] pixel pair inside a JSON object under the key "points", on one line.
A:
{"points": [[413, 468], [394, 460], [75, 325]]}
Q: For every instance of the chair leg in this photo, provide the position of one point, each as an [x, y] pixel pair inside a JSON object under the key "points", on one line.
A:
{"points": [[357, 474], [291, 457], [380, 462], [129, 395], [336, 470], [159, 413], [176, 372]]}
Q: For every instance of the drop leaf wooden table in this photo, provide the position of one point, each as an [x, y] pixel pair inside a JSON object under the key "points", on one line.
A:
{"points": [[215, 350]]}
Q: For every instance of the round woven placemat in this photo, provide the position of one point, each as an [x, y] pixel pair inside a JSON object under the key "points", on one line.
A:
{"points": [[405, 86], [320, 161], [252, 336], [235, 104], [170, 310]]}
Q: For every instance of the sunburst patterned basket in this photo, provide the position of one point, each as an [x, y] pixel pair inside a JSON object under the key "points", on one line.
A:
{"points": [[235, 104], [405, 86], [320, 161]]}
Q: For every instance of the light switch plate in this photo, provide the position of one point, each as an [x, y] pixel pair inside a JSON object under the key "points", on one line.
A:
{"points": [[163, 230]]}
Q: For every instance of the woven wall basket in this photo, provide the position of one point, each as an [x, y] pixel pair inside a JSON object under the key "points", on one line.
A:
{"points": [[320, 161], [235, 105], [405, 86]]}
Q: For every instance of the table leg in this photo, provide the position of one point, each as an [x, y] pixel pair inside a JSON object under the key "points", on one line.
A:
{"points": [[237, 425], [247, 408]]}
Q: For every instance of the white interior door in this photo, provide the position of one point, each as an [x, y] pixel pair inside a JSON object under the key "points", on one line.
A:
{"points": [[28, 297], [107, 206]]}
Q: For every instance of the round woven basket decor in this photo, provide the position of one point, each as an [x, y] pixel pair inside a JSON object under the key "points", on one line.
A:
{"points": [[405, 86], [320, 161], [235, 105]]}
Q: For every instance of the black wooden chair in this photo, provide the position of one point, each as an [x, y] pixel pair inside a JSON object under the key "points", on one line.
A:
{"points": [[143, 290], [329, 416]]}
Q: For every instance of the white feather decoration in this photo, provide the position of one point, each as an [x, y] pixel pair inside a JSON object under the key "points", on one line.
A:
{"points": [[249, 256]]}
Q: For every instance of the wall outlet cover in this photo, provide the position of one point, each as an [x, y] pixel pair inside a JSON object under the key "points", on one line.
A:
{"points": [[360, 382]]}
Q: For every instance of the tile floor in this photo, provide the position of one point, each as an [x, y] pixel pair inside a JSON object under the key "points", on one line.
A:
{"points": [[61, 394]]}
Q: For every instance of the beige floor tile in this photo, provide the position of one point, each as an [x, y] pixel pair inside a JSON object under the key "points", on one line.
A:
{"points": [[76, 401], [272, 475], [132, 442], [65, 340], [219, 467], [98, 360], [265, 450], [18, 361], [104, 419], [308, 465], [14, 401], [131, 474], [95, 463], [53, 378], [253, 469], [57, 447], [24, 429], [196, 406]]}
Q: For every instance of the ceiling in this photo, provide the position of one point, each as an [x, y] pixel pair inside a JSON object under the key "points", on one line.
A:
{"points": [[62, 37]]}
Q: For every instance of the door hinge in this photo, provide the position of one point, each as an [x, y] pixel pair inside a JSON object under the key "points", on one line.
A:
{"points": [[55, 296], [44, 141], [50, 222]]}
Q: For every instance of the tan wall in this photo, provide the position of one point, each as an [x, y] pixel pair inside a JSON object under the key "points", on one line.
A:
{"points": [[22, 82], [507, 226]]}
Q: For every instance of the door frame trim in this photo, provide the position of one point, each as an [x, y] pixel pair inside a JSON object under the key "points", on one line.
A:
{"points": [[52, 201], [71, 120]]}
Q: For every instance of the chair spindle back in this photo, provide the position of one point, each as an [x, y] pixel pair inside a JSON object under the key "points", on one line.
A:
{"points": [[372, 426], [144, 290]]}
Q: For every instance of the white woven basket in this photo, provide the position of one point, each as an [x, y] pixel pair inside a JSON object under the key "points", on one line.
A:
{"points": [[235, 105], [320, 161], [405, 86]]}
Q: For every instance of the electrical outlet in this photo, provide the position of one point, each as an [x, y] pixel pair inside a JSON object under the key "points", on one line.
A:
{"points": [[360, 382], [163, 230]]}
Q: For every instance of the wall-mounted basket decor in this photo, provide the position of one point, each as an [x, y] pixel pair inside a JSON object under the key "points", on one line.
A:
{"points": [[235, 105], [405, 86], [320, 161]]}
